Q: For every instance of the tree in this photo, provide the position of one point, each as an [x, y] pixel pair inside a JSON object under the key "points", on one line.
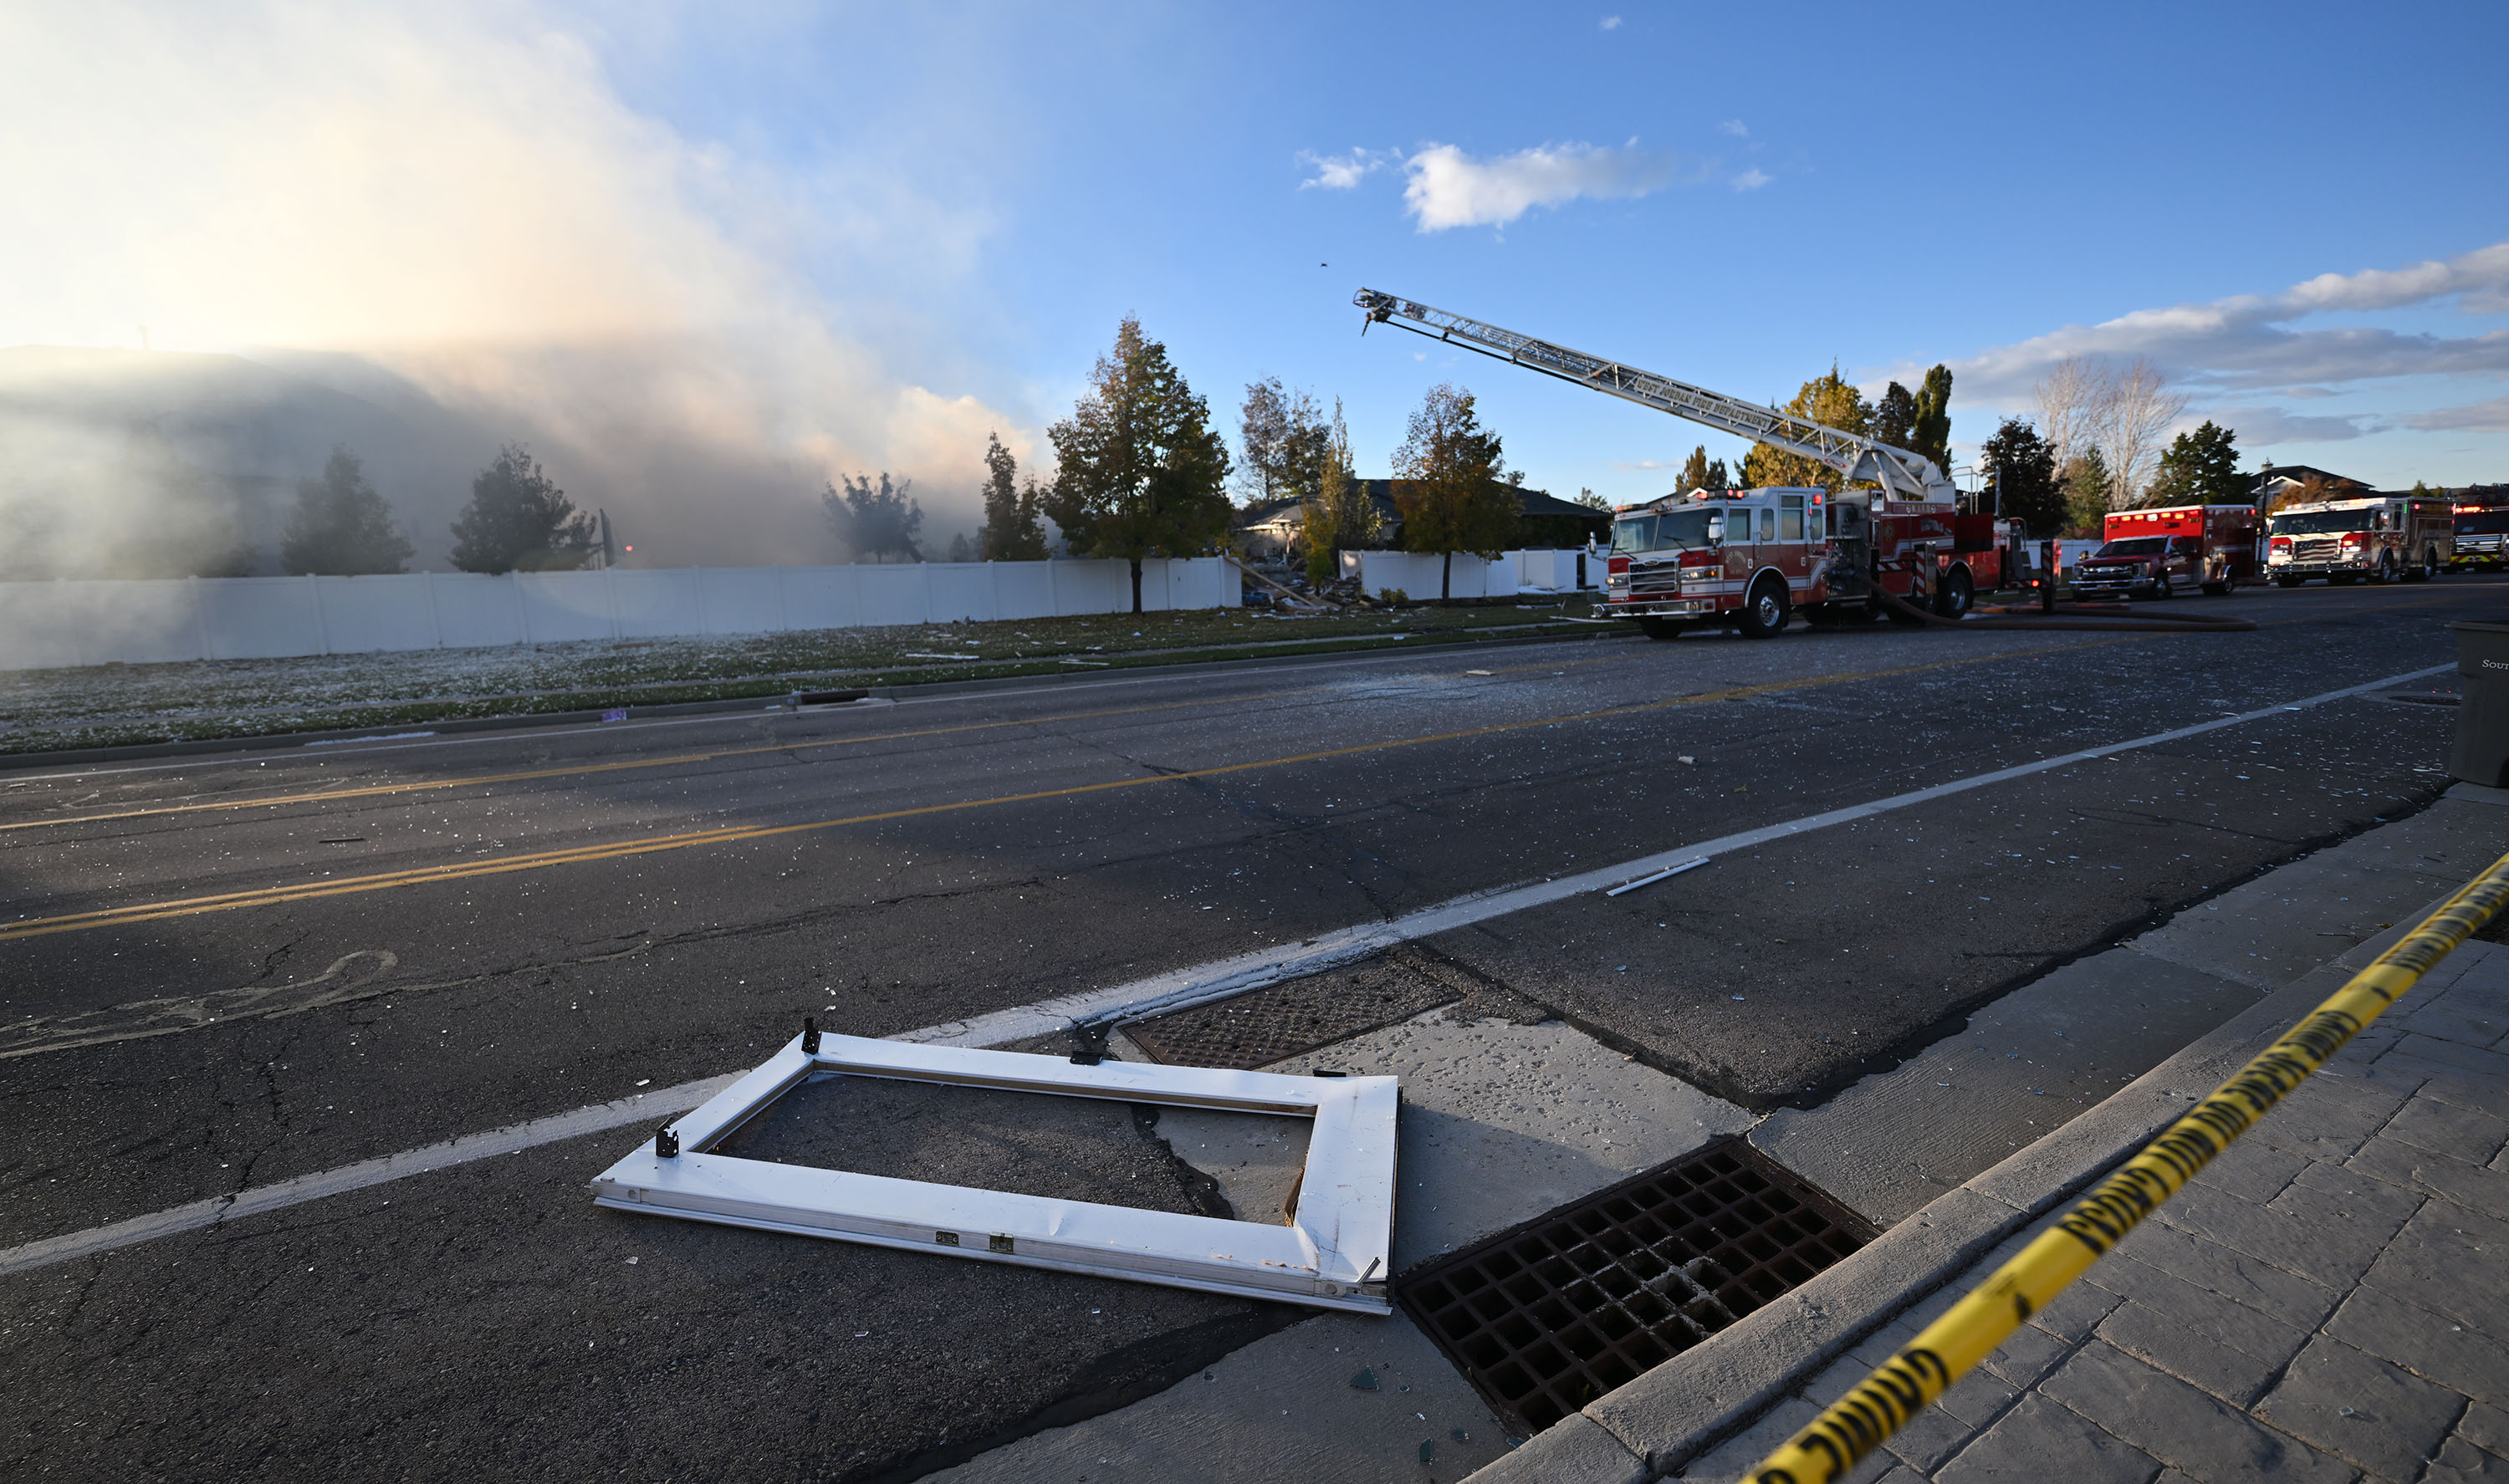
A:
{"points": [[2139, 409], [1283, 437], [1339, 515], [1894, 417], [1449, 486], [2201, 469], [519, 519], [1701, 472], [2021, 469], [2087, 485], [1139, 469], [1591, 501], [2072, 406], [340, 525], [1930, 433], [1014, 531], [875, 521], [1826, 399]]}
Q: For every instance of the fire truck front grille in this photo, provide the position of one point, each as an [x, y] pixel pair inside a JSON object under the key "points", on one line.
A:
{"points": [[1550, 1316]]}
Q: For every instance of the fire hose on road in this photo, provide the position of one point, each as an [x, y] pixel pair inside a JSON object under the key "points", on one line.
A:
{"points": [[2070, 618]]}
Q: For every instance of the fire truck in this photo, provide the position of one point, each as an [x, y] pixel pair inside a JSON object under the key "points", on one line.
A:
{"points": [[2383, 538], [1750, 559], [2481, 527], [2159, 553]]}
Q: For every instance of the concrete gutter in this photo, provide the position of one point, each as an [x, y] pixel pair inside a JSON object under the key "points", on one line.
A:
{"points": [[457, 726], [1653, 1426]]}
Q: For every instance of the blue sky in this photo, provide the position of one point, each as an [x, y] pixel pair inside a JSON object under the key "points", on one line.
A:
{"points": [[952, 205]]}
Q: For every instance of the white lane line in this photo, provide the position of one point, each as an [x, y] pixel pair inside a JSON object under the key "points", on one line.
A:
{"points": [[1175, 990]]}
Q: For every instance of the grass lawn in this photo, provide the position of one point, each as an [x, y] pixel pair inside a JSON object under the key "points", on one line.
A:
{"points": [[110, 705]]}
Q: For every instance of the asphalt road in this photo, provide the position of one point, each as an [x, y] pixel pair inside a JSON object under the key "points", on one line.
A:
{"points": [[219, 972]]}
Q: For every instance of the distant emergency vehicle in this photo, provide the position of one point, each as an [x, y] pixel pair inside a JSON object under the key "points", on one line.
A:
{"points": [[2162, 553], [2381, 537]]}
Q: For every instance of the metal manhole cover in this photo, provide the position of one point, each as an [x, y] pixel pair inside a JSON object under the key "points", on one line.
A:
{"points": [[1548, 1316], [1268, 1025]]}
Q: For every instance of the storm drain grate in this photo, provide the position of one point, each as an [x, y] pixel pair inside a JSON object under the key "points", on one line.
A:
{"points": [[1548, 1316], [1272, 1024]]}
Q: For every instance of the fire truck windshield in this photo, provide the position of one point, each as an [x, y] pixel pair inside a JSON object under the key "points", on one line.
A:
{"points": [[2483, 523], [2134, 545], [2321, 522], [1672, 531]]}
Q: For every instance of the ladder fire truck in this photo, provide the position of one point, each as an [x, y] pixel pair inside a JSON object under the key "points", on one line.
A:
{"points": [[1751, 558]]}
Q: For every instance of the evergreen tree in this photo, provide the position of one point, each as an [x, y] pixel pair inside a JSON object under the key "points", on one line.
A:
{"points": [[2086, 481], [1931, 435], [518, 518], [1013, 531], [2021, 467], [2201, 468], [876, 521], [1701, 472], [1139, 471], [1449, 486], [340, 525], [1894, 417], [1829, 400]]}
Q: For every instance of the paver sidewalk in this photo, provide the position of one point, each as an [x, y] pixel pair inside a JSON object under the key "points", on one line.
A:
{"points": [[2328, 1302]]}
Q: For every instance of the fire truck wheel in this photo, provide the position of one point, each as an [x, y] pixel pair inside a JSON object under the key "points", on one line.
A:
{"points": [[1662, 629], [1764, 614], [1952, 598], [2428, 569], [2386, 568]]}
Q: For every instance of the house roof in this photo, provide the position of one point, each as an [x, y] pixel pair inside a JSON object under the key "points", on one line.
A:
{"points": [[2295, 473]]}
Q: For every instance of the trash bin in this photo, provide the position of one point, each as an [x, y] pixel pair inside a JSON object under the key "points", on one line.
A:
{"points": [[2482, 751]]}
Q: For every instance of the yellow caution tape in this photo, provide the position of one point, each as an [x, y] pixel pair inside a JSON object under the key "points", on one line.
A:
{"points": [[1942, 1352]]}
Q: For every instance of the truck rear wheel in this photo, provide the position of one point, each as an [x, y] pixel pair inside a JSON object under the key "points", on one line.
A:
{"points": [[2428, 569], [1764, 614], [1660, 628], [1952, 598]]}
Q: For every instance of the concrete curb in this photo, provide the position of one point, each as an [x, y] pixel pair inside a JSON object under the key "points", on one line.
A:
{"points": [[456, 725], [1657, 1424]]}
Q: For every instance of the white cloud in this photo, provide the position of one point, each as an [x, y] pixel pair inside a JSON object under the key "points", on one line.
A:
{"points": [[2266, 427], [1611, 23], [2490, 417], [458, 194], [2259, 342], [1734, 127], [1448, 188], [1751, 180], [1340, 172]]}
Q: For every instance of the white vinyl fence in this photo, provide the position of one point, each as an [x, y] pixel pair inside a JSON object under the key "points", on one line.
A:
{"points": [[73, 622], [1416, 574]]}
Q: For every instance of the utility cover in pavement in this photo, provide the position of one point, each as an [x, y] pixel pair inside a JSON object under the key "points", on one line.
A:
{"points": [[1273, 1024], [1550, 1316]]}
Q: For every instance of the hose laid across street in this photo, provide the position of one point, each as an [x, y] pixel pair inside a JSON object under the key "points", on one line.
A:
{"points": [[1970, 1330], [2112, 620]]}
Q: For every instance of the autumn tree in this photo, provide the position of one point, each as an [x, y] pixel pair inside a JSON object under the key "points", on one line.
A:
{"points": [[2020, 466], [1282, 438], [2201, 469], [1701, 472], [1829, 400], [1449, 483], [1014, 525], [519, 520], [1139, 471], [340, 525], [1338, 516]]}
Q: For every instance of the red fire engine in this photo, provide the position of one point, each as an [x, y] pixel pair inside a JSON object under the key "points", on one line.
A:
{"points": [[2158, 553], [1750, 557]]}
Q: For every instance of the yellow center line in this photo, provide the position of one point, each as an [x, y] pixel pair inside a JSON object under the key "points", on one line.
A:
{"points": [[187, 906], [713, 755]]}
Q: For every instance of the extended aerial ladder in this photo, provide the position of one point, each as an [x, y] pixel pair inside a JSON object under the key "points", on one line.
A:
{"points": [[1902, 474]]}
